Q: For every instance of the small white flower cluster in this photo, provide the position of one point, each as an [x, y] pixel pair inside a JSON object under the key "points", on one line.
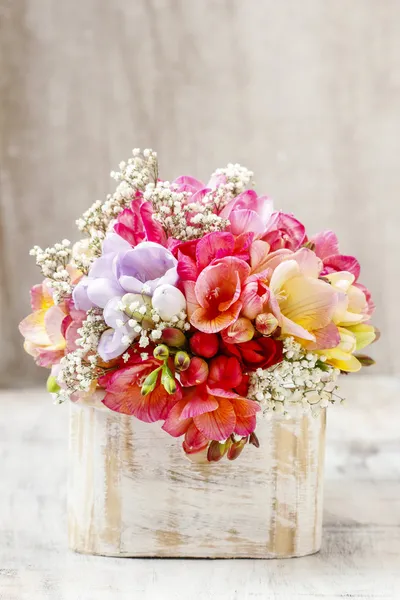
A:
{"points": [[237, 180], [181, 218], [79, 369], [302, 380], [133, 175], [53, 264]]}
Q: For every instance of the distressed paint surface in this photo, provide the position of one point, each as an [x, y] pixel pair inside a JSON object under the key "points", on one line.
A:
{"points": [[361, 526], [134, 493]]}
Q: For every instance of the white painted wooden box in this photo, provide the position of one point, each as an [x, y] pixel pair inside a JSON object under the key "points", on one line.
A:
{"points": [[133, 492]]}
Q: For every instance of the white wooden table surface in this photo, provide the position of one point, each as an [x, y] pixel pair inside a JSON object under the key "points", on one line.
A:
{"points": [[360, 556]]}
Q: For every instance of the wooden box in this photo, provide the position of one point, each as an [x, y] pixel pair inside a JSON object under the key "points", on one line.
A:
{"points": [[133, 492]]}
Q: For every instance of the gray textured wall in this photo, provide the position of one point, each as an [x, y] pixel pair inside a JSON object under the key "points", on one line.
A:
{"points": [[306, 94]]}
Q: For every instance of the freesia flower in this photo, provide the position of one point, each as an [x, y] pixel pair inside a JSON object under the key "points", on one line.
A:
{"points": [[124, 395], [303, 304], [122, 269], [248, 212], [214, 299], [284, 231], [258, 353], [42, 329], [215, 412], [326, 247]]}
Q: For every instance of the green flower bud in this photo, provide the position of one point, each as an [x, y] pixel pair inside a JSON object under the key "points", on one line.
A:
{"points": [[52, 385], [182, 360], [150, 382], [161, 352], [236, 448], [217, 450], [168, 380]]}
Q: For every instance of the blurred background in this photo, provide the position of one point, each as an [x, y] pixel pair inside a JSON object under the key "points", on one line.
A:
{"points": [[306, 94]]}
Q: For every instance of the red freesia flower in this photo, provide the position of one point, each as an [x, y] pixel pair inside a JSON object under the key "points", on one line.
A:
{"points": [[216, 413], [259, 353], [124, 395]]}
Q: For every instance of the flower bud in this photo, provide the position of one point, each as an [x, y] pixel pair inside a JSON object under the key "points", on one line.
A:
{"points": [[196, 373], [217, 450], [266, 323], [52, 385], [253, 439], [161, 352], [168, 301], [204, 344], [182, 360], [236, 448], [168, 380], [240, 331], [150, 382], [173, 337], [365, 360]]}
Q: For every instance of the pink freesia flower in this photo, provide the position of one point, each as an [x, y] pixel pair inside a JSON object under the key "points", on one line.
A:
{"points": [[284, 231], [213, 301], [326, 247], [42, 329], [248, 212]]}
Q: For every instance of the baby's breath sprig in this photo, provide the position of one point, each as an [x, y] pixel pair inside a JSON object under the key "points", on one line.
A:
{"points": [[133, 176], [53, 262], [80, 369], [232, 181], [181, 218], [302, 380]]}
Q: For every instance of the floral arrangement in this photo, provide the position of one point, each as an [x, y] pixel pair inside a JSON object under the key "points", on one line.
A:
{"points": [[198, 306]]}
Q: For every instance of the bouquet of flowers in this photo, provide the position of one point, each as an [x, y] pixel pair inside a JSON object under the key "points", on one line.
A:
{"points": [[198, 306]]}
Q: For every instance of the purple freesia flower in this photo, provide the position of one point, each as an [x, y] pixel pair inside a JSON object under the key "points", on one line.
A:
{"points": [[120, 270]]}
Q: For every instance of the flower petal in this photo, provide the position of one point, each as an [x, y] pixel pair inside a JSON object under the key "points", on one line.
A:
{"points": [[326, 244], [205, 319], [218, 424], [214, 245], [33, 328], [245, 425], [310, 303], [341, 262], [53, 323], [174, 424], [198, 403]]}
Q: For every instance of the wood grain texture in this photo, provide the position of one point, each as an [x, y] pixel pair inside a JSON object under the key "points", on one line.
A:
{"points": [[133, 492], [304, 93], [360, 551]]}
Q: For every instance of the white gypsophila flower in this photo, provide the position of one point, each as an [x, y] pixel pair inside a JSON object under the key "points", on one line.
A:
{"points": [[53, 263], [134, 175], [79, 369], [235, 180], [302, 380], [181, 218]]}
